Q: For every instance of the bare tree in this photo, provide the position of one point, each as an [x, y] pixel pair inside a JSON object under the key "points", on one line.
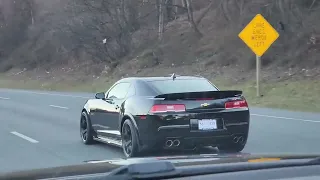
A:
{"points": [[15, 20], [204, 13], [31, 8], [169, 10], [190, 18], [113, 20], [161, 17]]}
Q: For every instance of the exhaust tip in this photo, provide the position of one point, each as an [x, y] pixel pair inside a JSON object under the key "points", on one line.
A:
{"points": [[241, 139], [176, 142], [169, 143], [236, 139]]}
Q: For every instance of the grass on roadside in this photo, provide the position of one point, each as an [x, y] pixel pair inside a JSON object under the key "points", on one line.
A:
{"points": [[94, 86], [301, 95], [293, 95]]}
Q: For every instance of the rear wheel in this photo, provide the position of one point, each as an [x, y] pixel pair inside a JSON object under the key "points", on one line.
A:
{"points": [[129, 139], [86, 129]]}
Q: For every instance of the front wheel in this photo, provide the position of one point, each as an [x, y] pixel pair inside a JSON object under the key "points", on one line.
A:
{"points": [[129, 139], [86, 129]]}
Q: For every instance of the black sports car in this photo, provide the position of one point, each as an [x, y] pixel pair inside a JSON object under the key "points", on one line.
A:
{"points": [[141, 114]]}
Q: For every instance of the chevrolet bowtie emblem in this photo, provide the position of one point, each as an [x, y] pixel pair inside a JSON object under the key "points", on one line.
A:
{"points": [[204, 104]]}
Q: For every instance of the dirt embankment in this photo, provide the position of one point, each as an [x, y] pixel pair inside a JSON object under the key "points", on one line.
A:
{"points": [[60, 40]]}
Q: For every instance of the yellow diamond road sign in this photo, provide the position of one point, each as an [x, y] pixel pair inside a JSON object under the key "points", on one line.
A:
{"points": [[259, 35]]}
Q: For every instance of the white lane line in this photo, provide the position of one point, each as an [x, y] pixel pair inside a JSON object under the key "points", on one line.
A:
{"points": [[4, 98], [54, 94], [24, 137], [62, 95], [279, 117], [61, 107]]}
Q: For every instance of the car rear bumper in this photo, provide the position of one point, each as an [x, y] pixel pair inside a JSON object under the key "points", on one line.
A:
{"points": [[152, 136]]}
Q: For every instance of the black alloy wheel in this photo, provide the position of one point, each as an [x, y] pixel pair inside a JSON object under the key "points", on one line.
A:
{"points": [[129, 139], [85, 129]]}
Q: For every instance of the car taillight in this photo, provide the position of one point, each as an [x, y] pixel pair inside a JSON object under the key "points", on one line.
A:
{"points": [[236, 104], [159, 108]]}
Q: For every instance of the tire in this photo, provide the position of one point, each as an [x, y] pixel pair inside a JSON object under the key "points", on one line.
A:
{"points": [[86, 131], [232, 148], [129, 139]]}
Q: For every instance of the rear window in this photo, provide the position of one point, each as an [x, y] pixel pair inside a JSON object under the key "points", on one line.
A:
{"points": [[182, 85]]}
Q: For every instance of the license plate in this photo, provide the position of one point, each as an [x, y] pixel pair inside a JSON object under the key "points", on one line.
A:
{"points": [[207, 124]]}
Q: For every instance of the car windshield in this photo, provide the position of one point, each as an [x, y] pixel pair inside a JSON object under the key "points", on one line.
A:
{"points": [[182, 85], [96, 80]]}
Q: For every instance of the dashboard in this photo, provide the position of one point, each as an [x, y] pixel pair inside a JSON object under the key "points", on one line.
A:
{"points": [[311, 172], [288, 173]]}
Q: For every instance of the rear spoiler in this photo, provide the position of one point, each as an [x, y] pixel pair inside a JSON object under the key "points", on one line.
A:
{"points": [[201, 94]]}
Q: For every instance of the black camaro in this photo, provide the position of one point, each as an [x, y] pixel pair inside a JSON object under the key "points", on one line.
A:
{"points": [[141, 114]]}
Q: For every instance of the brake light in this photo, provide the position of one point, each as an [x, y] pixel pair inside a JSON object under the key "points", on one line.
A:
{"points": [[236, 104], [160, 108]]}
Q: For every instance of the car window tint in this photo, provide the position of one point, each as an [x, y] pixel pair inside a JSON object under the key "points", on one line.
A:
{"points": [[144, 89], [182, 85], [131, 91], [119, 91]]}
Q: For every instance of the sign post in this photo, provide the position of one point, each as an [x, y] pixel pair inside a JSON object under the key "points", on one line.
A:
{"points": [[258, 63], [259, 35]]}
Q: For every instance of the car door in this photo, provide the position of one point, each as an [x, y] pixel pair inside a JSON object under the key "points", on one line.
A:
{"points": [[109, 119]]}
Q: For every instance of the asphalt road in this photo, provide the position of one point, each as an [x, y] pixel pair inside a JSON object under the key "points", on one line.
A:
{"points": [[41, 129]]}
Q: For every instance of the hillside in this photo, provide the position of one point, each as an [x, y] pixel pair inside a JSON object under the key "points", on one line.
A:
{"points": [[61, 41]]}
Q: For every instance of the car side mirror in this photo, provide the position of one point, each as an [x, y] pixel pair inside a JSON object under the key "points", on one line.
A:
{"points": [[100, 95]]}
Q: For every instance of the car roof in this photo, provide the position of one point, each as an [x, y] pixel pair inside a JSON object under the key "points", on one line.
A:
{"points": [[158, 78]]}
